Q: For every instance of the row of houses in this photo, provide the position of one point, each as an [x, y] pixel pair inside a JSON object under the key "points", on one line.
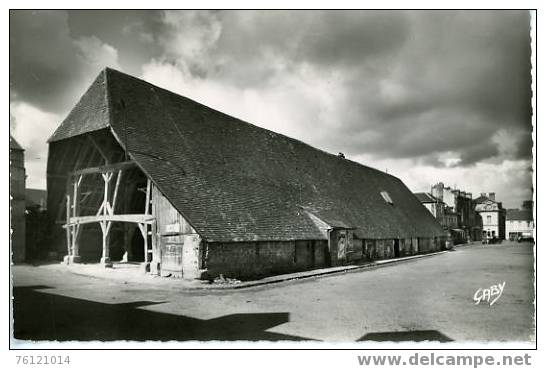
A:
{"points": [[483, 218], [139, 174]]}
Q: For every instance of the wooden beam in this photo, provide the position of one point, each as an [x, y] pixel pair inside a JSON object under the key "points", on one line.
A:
{"points": [[99, 149], [118, 180], [104, 225], [68, 230], [75, 241], [105, 204], [155, 250], [147, 206], [126, 218], [75, 211], [144, 231], [105, 168]]}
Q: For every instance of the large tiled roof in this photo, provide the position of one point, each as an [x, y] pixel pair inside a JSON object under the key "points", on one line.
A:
{"points": [[481, 199], [89, 114], [234, 181], [519, 214], [425, 197]]}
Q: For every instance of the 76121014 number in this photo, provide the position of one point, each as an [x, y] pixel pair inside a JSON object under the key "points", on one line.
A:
{"points": [[42, 360]]}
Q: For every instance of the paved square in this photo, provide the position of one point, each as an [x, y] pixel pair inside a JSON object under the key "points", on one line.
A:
{"points": [[424, 299]]}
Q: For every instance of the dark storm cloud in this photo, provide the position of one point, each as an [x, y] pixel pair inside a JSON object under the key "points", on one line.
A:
{"points": [[38, 42], [457, 80], [407, 84], [133, 33], [416, 83], [48, 67]]}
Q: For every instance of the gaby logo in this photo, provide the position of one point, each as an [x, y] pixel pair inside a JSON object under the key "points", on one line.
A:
{"points": [[490, 295]]}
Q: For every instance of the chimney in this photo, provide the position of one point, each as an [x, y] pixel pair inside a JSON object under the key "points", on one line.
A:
{"points": [[492, 196], [438, 191]]}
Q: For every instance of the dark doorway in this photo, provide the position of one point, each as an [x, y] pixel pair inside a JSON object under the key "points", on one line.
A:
{"points": [[396, 248]]}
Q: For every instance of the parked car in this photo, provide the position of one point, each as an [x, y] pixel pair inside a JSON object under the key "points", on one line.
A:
{"points": [[526, 238]]}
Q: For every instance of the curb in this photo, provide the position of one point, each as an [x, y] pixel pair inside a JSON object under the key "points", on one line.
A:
{"points": [[317, 273]]}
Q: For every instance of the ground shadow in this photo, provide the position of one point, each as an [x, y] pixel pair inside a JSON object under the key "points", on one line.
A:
{"points": [[39, 315], [427, 335]]}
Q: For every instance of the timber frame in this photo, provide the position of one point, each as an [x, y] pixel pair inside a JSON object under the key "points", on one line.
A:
{"points": [[105, 215]]}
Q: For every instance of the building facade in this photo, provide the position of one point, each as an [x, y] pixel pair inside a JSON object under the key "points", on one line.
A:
{"points": [[493, 216], [520, 223], [138, 173], [459, 205], [17, 200]]}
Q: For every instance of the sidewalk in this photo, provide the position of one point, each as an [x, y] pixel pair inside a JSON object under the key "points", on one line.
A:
{"points": [[469, 244], [132, 273]]}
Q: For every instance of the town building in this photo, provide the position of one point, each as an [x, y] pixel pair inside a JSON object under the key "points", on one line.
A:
{"points": [[17, 181], [459, 204], [493, 216], [433, 204], [448, 219], [520, 223], [138, 173]]}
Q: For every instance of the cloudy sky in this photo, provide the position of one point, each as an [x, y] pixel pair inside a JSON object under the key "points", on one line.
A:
{"points": [[428, 96]]}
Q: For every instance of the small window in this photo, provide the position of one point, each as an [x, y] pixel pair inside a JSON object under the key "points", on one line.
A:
{"points": [[386, 197]]}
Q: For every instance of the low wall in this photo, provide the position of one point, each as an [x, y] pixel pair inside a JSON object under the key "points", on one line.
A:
{"points": [[244, 260], [250, 260]]}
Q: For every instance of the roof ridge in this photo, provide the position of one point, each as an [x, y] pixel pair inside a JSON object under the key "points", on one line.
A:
{"points": [[140, 80], [88, 112]]}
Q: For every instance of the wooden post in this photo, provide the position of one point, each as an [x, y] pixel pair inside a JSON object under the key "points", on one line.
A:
{"points": [[68, 231], [144, 228], [105, 225], [154, 264], [116, 188], [105, 260], [144, 231], [147, 207], [75, 257]]}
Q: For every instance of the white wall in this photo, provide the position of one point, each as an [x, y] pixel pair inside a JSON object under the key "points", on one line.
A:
{"points": [[492, 224], [515, 226]]}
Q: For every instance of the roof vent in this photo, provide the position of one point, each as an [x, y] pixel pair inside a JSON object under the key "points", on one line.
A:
{"points": [[386, 197]]}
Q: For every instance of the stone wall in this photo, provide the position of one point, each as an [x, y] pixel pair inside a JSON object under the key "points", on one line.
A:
{"points": [[251, 260], [244, 260]]}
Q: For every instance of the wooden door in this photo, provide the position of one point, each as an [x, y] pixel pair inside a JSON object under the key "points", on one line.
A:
{"points": [[342, 245], [171, 249]]}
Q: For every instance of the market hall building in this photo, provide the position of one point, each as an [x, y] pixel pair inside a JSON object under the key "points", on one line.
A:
{"points": [[138, 173]]}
